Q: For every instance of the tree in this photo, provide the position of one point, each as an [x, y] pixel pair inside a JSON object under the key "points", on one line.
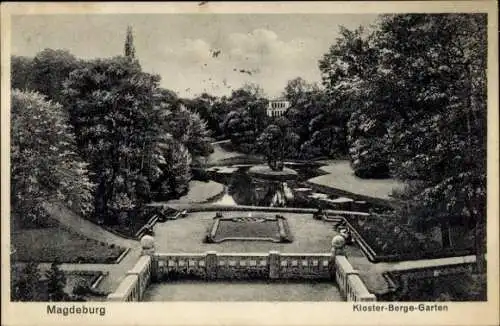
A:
{"points": [[442, 139], [56, 281], [246, 118], [21, 72], [189, 129], [417, 86], [117, 121], [129, 49], [50, 68], [24, 285], [44, 164], [209, 109], [176, 170], [318, 118], [183, 125], [276, 142], [296, 90]]}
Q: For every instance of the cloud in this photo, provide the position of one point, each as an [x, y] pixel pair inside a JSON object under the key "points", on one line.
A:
{"points": [[191, 50], [259, 56]]}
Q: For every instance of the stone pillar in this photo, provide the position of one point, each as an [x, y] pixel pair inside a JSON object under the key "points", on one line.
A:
{"points": [[148, 249], [211, 265], [338, 244], [274, 265]]}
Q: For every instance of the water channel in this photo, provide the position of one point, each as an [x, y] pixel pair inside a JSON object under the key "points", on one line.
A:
{"points": [[244, 188]]}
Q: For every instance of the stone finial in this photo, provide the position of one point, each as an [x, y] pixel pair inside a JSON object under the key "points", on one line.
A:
{"points": [[338, 242], [147, 244]]}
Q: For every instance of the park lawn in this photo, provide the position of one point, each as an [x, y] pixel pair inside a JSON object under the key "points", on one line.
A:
{"points": [[341, 176], [57, 244]]}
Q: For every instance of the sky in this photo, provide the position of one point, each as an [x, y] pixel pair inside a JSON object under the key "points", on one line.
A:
{"points": [[263, 49]]}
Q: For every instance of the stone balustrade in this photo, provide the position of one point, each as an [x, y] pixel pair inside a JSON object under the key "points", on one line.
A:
{"points": [[135, 283], [153, 267], [272, 265], [349, 282]]}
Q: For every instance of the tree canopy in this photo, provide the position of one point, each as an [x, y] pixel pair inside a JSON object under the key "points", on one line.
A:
{"points": [[44, 164]]}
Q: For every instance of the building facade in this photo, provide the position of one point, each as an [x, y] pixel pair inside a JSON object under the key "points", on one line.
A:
{"points": [[277, 108]]}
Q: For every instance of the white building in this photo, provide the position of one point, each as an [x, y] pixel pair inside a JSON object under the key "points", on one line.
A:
{"points": [[278, 107]]}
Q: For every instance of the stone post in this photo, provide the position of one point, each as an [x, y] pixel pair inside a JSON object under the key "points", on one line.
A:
{"points": [[148, 249], [338, 244], [274, 265], [211, 265]]}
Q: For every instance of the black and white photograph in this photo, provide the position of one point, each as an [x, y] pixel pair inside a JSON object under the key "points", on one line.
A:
{"points": [[243, 157]]}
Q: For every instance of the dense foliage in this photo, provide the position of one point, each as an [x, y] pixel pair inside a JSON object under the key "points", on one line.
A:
{"points": [[112, 109], [417, 87], [277, 142], [246, 117], [44, 164]]}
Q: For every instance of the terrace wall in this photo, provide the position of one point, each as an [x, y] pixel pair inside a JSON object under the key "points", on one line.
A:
{"points": [[216, 266]]}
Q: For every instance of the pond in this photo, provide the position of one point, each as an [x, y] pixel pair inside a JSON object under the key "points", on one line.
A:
{"points": [[244, 188]]}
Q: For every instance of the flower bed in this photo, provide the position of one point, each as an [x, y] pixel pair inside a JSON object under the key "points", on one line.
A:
{"points": [[255, 228]]}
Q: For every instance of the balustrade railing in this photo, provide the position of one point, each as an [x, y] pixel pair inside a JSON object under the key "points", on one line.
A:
{"points": [[213, 266]]}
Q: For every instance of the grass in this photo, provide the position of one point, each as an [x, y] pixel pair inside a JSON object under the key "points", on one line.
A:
{"points": [[57, 244], [341, 176]]}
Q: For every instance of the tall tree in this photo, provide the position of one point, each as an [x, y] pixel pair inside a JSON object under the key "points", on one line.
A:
{"points": [[418, 84], [113, 109], [50, 68], [346, 71], [277, 142], [247, 117], [44, 163], [129, 49], [439, 130]]}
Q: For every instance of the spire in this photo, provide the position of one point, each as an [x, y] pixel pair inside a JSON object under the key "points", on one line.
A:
{"points": [[129, 44]]}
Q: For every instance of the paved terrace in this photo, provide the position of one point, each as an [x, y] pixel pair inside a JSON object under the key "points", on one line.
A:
{"points": [[242, 291]]}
